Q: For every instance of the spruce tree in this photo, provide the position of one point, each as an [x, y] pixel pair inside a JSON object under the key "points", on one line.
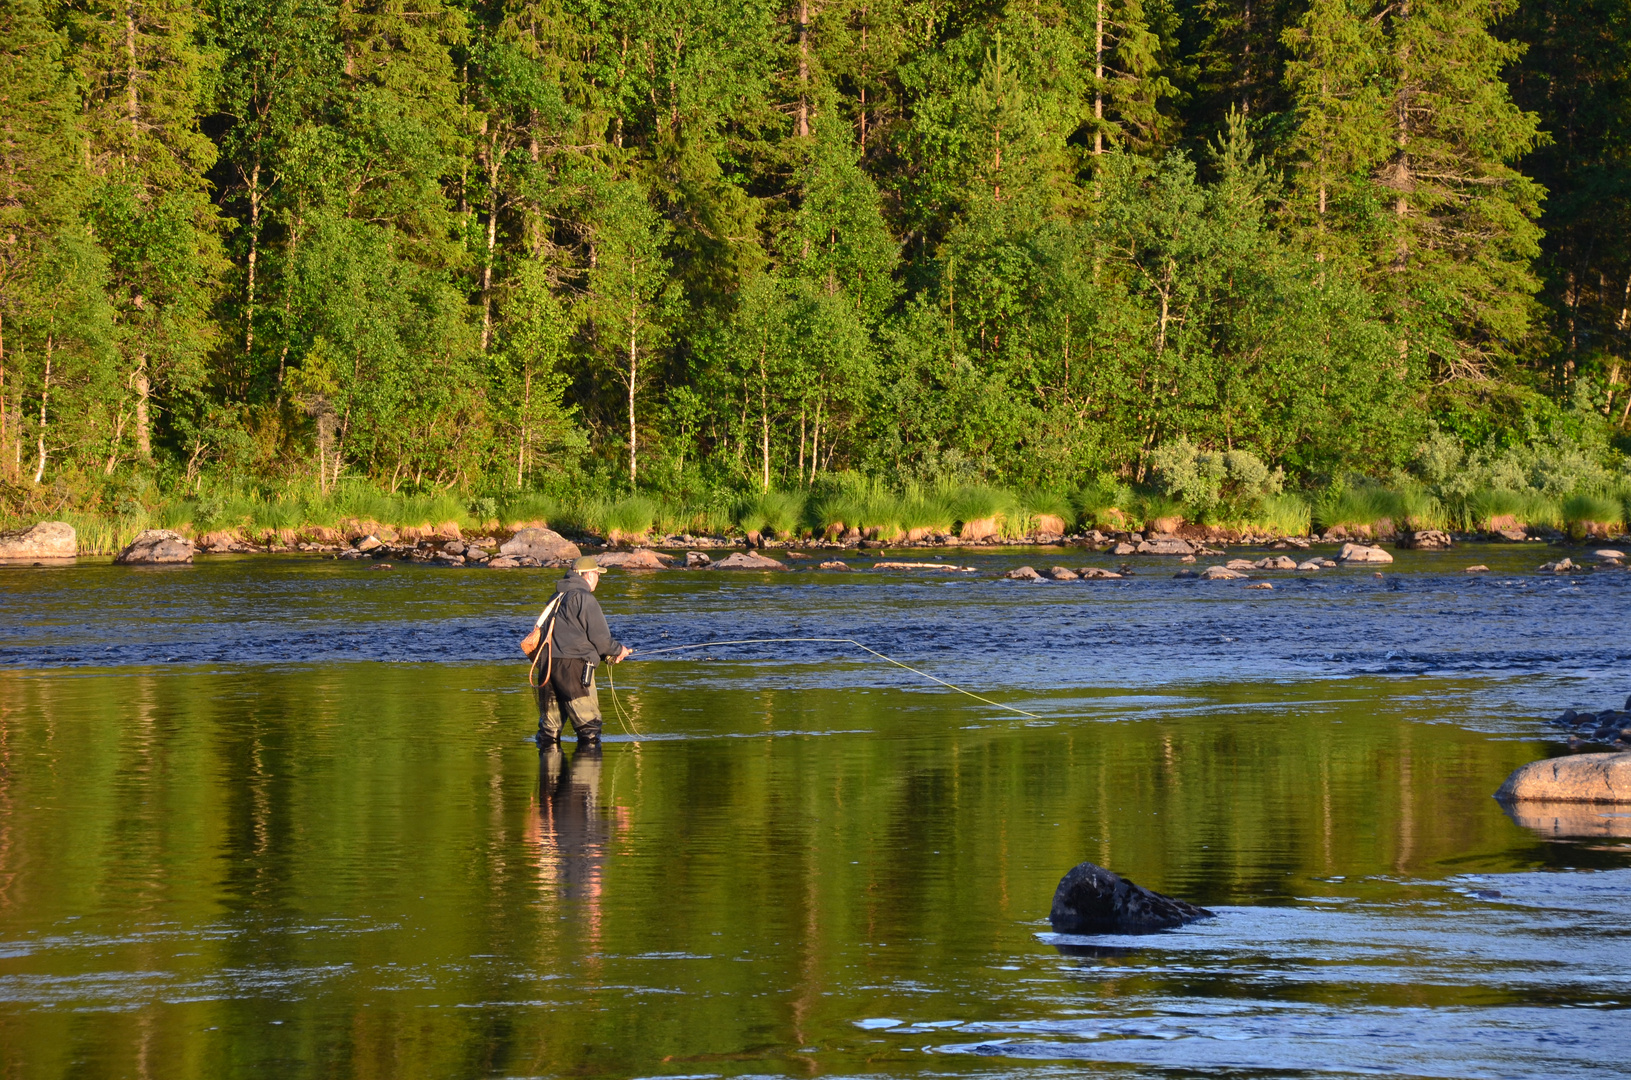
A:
{"points": [[1455, 264], [145, 70]]}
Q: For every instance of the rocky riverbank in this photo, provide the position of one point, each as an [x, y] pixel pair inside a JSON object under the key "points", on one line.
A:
{"points": [[534, 544]]}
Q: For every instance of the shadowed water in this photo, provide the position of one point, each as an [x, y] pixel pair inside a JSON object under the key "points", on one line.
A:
{"points": [[278, 817]]}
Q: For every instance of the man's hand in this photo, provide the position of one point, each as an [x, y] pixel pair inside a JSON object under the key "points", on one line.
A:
{"points": [[622, 654]]}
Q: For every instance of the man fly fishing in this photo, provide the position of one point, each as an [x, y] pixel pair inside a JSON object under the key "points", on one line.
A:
{"points": [[570, 638]]}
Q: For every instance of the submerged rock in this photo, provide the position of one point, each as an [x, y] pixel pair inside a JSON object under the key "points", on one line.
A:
{"points": [[156, 546], [835, 564], [47, 540], [1362, 553], [1579, 778], [1093, 900], [1096, 573], [542, 544]]}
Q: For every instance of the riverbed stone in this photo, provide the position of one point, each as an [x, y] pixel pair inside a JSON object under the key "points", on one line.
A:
{"points": [[1427, 540], [1578, 778], [1220, 573], [1362, 553], [1477, 568], [1023, 573], [696, 560], [1276, 562], [1561, 566], [1241, 564], [1096, 573], [153, 546], [1059, 573], [747, 560], [1311, 564], [540, 544], [1164, 545], [1609, 554], [1123, 548], [1093, 900], [47, 540], [835, 564]]}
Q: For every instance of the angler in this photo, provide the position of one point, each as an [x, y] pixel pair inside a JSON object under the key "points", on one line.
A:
{"points": [[570, 638]]}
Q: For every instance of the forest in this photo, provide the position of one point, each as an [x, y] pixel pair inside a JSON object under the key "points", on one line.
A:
{"points": [[714, 254]]}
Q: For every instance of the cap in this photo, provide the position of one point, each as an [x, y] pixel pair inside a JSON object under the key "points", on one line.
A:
{"points": [[587, 562]]}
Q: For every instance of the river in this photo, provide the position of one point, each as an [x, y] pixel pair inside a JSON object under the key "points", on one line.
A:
{"points": [[280, 816]]}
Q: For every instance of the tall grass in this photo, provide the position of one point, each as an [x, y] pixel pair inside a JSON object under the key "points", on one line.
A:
{"points": [[1482, 508], [1286, 515], [779, 512], [1582, 508], [1365, 504]]}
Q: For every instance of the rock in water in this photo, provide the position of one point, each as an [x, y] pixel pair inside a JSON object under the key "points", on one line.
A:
{"points": [[47, 540], [1427, 540], [157, 546], [747, 560], [1363, 553], [1093, 900], [1023, 573], [541, 544], [1578, 778], [639, 559], [1221, 573]]}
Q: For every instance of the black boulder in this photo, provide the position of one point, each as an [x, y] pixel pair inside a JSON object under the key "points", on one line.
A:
{"points": [[1093, 900]]}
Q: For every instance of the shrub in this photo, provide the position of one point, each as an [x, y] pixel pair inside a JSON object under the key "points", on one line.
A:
{"points": [[1214, 483]]}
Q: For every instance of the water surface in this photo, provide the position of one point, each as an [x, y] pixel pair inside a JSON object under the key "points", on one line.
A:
{"points": [[267, 816]]}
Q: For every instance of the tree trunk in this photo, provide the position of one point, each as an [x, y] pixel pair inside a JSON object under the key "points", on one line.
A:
{"points": [[804, 69], [132, 106], [288, 297], [1098, 80], [526, 410], [144, 430], [5, 416], [634, 371], [815, 442], [254, 245], [492, 240], [764, 414], [1402, 178], [45, 393]]}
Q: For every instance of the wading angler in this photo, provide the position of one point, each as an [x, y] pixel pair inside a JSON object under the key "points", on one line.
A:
{"points": [[568, 641]]}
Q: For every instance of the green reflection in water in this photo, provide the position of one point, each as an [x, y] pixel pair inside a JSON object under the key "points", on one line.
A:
{"points": [[362, 870]]}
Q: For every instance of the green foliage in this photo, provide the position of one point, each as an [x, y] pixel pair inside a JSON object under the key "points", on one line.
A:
{"points": [[519, 249], [1225, 483], [777, 512]]}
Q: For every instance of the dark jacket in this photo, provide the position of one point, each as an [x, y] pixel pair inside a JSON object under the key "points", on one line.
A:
{"points": [[581, 632]]}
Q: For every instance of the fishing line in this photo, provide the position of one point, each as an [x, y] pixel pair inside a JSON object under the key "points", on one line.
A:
{"points": [[628, 727], [840, 641]]}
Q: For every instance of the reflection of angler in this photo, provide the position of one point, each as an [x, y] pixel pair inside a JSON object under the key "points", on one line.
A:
{"points": [[565, 645], [569, 808]]}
